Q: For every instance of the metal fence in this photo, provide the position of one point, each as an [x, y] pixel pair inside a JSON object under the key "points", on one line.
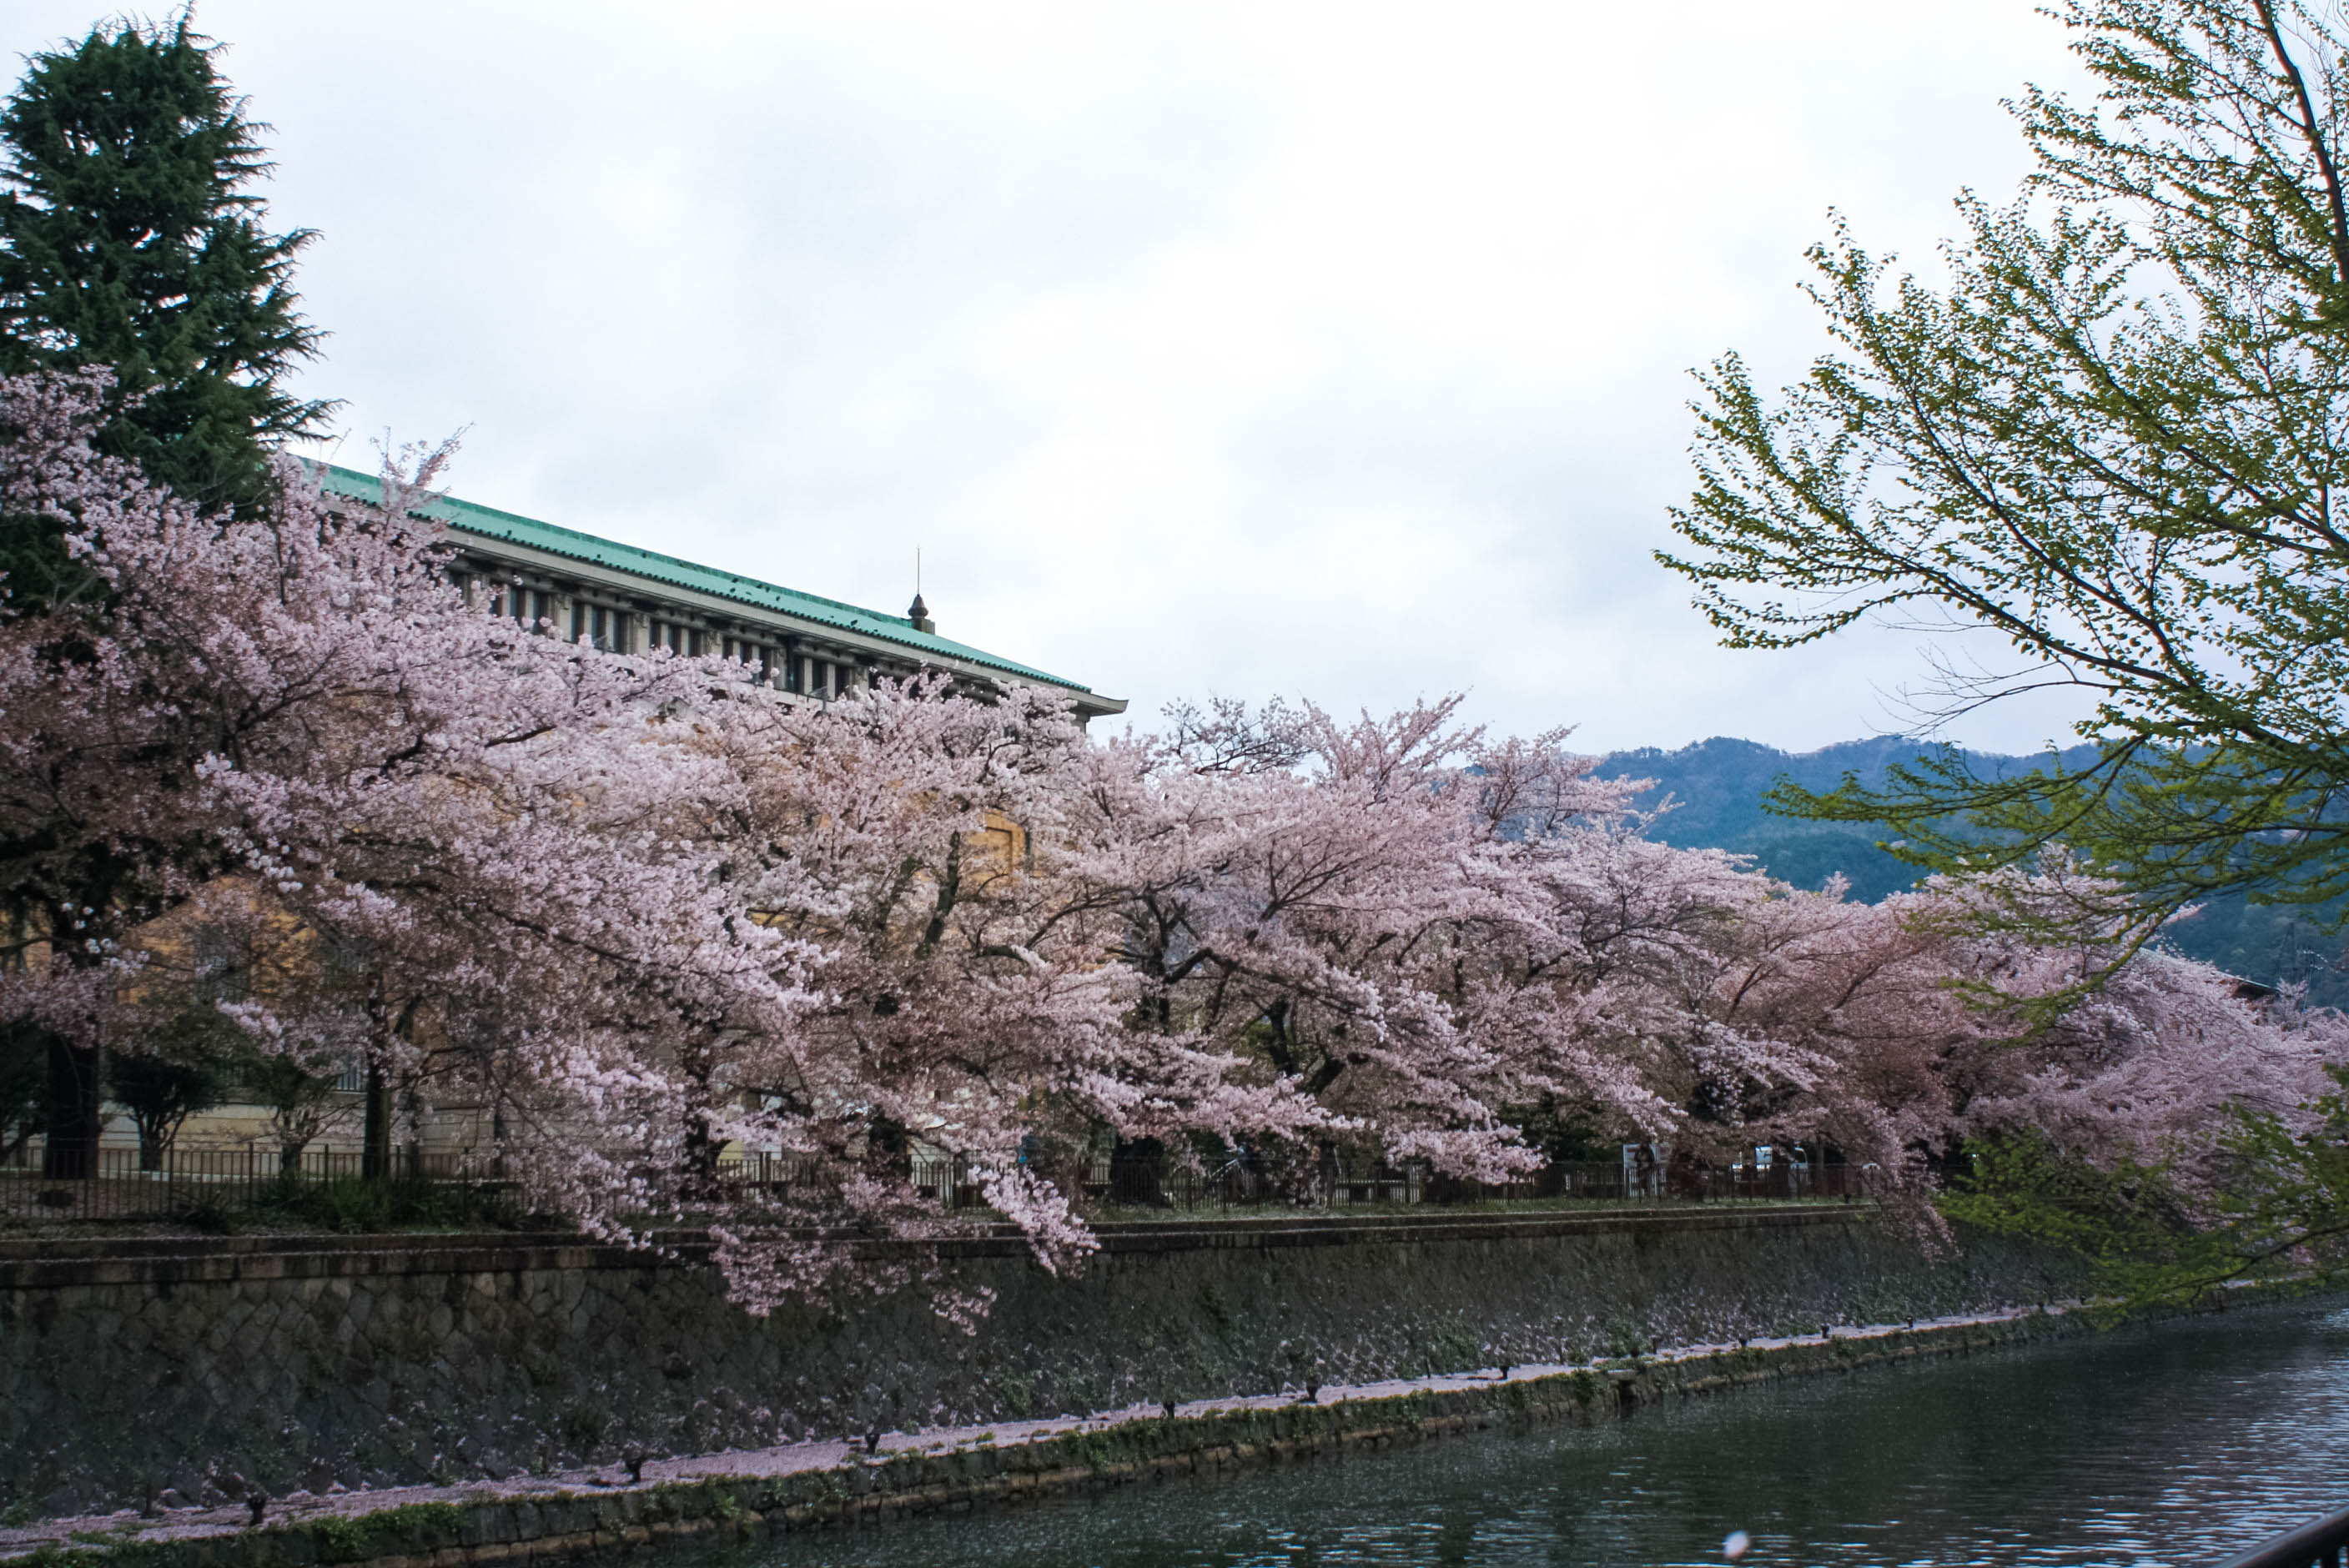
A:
{"points": [[336, 1186], [1161, 1181], [185, 1183], [2320, 1543]]}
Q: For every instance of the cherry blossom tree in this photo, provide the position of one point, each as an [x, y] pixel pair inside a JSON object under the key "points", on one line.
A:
{"points": [[965, 1019], [699, 950], [1418, 931], [102, 824], [482, 818], [1960, 1011]]}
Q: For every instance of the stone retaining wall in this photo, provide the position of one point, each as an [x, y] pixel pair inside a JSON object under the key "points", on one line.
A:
{"points": [[560, 1519], [304, 1363]]}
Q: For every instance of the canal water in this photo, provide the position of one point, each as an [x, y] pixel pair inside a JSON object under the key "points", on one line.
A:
{"points": [[2178, 1444]]}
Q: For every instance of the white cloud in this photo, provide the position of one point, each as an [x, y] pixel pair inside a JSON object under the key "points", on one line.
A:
{"points": [[1336, 350]]}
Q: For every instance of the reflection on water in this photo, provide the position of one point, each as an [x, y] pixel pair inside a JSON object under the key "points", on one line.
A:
{"points": [[2179, 1444]]}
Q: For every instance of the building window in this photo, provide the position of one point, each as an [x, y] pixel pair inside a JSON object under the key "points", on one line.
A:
{"points": [[593, 622], [223, 963]]}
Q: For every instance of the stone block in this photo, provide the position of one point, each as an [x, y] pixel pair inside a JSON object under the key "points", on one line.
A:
{"points": [[393, 1374]]}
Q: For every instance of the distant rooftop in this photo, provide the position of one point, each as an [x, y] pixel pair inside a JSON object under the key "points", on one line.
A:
{"points": [[489, 523]]}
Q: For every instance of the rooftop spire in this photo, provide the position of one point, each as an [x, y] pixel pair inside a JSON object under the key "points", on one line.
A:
{"points": [[919, 613]]}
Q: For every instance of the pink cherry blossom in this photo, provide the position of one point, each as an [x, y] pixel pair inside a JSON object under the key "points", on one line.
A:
{"points": [[689, 950]]}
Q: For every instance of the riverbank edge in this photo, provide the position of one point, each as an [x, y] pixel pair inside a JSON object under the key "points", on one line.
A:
{"points": [[550, 1520]]}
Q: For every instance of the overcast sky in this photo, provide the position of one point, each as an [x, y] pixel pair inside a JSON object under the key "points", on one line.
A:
{"points": [[1336, 351]]}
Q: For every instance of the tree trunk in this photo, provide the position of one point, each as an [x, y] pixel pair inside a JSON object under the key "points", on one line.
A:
{"points": [[700, 1159], [74, 1111], [414, 1115], [375, 1150]]}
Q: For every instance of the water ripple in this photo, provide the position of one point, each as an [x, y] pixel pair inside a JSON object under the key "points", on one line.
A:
{"points": [[2160, 1448]]}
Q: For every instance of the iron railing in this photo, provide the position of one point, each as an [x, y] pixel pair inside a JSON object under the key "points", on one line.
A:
{"points": [[193, 1183], [1161, 1181], [127, 1184], [2320, 1543]]}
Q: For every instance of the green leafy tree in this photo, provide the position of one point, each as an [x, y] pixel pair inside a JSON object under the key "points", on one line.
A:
{"points": [[130, 237], [2267, 1201], [304, 1105], [2128, 1217], [161, 1087], [2112, 443]]}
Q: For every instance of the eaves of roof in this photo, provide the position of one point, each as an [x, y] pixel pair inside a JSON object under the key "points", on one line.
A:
{"points": [[488, 522]]}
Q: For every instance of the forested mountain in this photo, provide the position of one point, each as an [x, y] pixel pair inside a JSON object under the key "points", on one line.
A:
{"points": [[1714, 791]]}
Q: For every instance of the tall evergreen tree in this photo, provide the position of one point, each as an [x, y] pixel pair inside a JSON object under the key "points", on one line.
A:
{"points": [[129, 238]]}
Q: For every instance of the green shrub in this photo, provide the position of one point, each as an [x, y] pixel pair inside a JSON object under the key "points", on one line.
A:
{"points": [[342, 1539], [359, 1205]]}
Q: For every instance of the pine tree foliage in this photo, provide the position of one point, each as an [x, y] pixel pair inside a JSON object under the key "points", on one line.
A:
{"points": [[2113, 440], [130, 237]]}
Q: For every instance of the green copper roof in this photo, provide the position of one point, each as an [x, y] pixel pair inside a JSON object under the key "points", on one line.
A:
{"points": [[488, 522]]}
